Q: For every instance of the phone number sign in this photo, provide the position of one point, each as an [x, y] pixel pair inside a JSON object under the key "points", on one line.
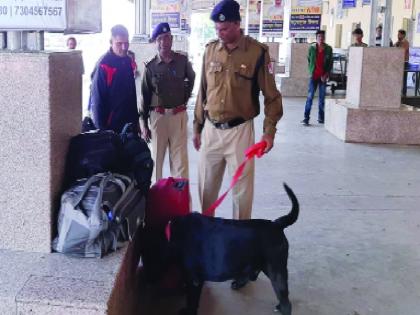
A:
{"points": [[33, 14]]}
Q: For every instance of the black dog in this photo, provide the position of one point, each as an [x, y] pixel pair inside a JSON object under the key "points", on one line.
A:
{"points": [[215, 249]]}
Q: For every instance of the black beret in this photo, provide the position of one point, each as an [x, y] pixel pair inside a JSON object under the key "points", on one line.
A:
{"points": [[161, 28], [226, 10]]}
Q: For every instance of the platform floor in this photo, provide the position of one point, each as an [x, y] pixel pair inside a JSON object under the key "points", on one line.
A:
{"points": [[355, 249]]}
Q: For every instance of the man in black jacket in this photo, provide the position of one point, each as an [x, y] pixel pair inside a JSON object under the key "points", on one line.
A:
{"points": [[113, 99]]}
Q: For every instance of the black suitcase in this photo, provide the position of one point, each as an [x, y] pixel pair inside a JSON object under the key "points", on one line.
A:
{"points": [[91, 153]]}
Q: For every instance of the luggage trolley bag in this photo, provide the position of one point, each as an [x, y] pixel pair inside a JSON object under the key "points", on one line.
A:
{"points": [[167, 199]]}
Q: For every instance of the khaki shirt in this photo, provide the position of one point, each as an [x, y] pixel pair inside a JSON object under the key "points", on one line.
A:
{"points": [[230, 85], [166, 84]]}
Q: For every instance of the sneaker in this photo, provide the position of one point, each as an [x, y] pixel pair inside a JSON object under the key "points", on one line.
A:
{"points": [[320, 121], [305, 122]]}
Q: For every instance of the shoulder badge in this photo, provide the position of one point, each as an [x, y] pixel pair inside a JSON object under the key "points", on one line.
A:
{"points": [[212, 42]]}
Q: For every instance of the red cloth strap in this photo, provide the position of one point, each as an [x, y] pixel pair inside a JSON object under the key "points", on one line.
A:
{"points": [[255, 150]]}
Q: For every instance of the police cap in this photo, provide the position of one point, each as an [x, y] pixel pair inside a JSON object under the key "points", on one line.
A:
{"points": [[161, 28], [226, 10]]}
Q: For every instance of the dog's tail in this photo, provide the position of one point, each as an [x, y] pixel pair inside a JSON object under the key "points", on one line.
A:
{"points": [[292, 216]]}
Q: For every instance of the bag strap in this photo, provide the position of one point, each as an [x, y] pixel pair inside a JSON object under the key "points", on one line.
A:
{"points": [[93, 179], [97, 206]]}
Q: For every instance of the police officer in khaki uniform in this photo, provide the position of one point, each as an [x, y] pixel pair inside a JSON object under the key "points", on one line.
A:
{"points": [[235, 69], [167, 84]]}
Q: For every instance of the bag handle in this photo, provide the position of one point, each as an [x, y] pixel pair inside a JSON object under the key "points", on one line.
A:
{"points": [[93, 179]]}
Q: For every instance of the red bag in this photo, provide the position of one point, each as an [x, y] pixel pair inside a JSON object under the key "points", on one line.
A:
{"points": [[167, 199]]}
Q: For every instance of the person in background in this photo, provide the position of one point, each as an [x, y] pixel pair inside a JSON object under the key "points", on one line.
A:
{"points": [[378, 38], [404, 44], [320, 61], [71, 43], [167, 84], [358, 38], [113, 100]]}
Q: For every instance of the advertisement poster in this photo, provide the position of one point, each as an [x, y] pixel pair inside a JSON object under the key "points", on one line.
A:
{"points": [[175, 12], [33, 15], [306, 16], [273, 16], [348, 4], [254, 16]]}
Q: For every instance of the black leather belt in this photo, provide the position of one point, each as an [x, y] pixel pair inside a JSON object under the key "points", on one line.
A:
{"points": [[229, 124]]}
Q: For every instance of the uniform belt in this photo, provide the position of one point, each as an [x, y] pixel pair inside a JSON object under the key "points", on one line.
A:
{"points": [[229, 124], [173, 110]]}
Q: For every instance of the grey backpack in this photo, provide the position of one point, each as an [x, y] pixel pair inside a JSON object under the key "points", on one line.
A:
{"points": [[92, 214]]}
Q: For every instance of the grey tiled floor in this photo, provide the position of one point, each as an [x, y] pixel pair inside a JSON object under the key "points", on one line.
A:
{"points": [[354, 250]]}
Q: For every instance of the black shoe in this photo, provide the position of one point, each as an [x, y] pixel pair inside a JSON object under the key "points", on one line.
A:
{"points": [[239, 283], [320, 121], [305, 122]]}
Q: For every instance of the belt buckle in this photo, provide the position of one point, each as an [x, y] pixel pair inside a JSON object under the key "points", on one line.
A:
{"points": [[224, 126]]}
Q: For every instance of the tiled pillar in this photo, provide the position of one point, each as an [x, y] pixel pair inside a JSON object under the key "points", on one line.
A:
{"points": [[41, 109], [297, 82]]}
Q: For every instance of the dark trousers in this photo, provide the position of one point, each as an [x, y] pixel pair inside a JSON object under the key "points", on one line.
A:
{"points": [[404, 89], [313, 84]]}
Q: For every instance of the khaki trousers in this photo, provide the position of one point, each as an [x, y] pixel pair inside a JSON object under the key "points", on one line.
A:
{"points": [[169, 131], [218, 149]]}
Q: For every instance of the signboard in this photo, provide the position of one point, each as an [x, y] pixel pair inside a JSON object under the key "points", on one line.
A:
{"points": [[175, 12], [306, 16], [49, 15], [273, 15], [347, 4], [254, 16], [366, 2], [172, 18]]}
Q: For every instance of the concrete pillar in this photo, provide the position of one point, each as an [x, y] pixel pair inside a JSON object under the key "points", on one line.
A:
{"points": [[142, 21], [297, 82], [41, 109], [14, 40], [372, 111], [3, 40], [369, 83]]}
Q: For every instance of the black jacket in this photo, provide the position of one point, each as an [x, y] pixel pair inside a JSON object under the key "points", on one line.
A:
{"points": [[113, 100]]}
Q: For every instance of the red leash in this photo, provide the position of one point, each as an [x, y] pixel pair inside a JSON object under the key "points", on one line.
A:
{"points": [[255, 150]]}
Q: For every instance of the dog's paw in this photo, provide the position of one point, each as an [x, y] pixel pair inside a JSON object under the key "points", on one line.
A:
{"points": [[285, 309]]}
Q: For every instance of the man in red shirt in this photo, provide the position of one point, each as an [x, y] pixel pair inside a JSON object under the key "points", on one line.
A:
{"points": [[320, 61]]}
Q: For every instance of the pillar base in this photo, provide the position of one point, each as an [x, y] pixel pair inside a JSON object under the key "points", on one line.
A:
{"points": [[294, 87], [375, 125]]}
